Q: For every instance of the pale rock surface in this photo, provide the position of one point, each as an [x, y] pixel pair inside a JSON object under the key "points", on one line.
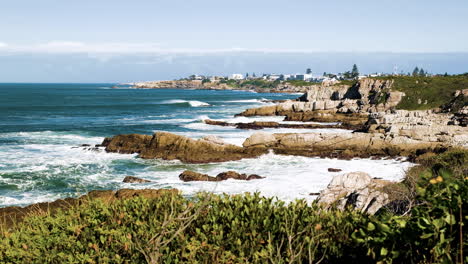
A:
{"points": [[355, 189]]}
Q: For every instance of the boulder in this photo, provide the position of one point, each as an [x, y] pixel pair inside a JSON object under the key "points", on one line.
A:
{"points": [[132, 179], [357, 190], [231, 175], [188, 176], [260, 138]]}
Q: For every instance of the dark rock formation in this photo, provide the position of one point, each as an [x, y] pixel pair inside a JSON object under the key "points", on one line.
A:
{"points": [[268, 124], [188, 176], [195, 176], [334, 170], [132, 179]]}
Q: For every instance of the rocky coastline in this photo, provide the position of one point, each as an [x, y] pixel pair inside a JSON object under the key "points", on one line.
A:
{"points": [[368, 108], [199, 85]]}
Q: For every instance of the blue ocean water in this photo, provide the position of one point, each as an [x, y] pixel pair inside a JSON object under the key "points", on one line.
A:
{"points": [[41, 126]]}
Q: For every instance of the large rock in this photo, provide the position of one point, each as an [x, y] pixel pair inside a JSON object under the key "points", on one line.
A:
{"points": [[260, 138], [425, 126], [170, 146], [357, 190], [366, 96], [341, 145], [133, 179], [188, 176]]}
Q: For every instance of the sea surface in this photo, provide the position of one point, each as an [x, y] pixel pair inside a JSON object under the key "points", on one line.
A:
{"points": [[43, 125]]}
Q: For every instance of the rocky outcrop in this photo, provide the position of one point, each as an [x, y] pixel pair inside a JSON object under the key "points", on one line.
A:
{"points": [[459, 107], [342, 145], [216, 85], [170, 146], [356, 190], [426, 126], [268, 124], [14, 214], [132, 179], [366, 96], [188, 176]]}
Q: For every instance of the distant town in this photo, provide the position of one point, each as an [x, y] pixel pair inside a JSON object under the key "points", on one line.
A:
{"points": [[307, 76]]}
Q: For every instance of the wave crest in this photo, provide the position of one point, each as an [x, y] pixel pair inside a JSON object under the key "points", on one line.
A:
{"points": [[192, 103]]}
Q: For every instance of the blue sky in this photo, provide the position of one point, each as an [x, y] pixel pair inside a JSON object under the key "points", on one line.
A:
{"points": [[101, 30]]}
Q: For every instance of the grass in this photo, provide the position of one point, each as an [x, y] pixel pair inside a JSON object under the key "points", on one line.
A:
{"points": [[299, 83], [436, 90]]}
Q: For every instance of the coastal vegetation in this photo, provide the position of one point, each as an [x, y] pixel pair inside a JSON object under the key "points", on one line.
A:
{"points": [[428, 227], [427, 92]]}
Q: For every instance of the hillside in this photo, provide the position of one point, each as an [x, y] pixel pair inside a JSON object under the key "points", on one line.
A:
{"points": [[436, 90]]}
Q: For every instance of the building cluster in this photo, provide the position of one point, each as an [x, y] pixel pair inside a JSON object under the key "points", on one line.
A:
{"points": [[306, 77]]}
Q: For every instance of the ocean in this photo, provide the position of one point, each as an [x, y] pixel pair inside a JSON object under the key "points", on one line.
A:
{"points": [[43, 125]]}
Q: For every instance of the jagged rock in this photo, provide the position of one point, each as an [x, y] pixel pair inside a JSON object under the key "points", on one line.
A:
{"points": [[188, 176], [170, 146], [254, 177], [195, 176], [132, 179], [355, 189], [269, 124], [231, 175], [427, 126], [367, 95]]}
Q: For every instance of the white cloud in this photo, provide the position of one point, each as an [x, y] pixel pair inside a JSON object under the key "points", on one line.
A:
{"points": [[104, 50], [81, 47], [124, 48]]}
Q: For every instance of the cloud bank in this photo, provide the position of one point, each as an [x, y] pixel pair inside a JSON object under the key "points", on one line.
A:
{"points": [[61, 47]]}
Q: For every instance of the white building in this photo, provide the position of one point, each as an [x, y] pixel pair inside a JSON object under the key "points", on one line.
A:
{"points": [[274, 77], [236, 76], [303, 77]]}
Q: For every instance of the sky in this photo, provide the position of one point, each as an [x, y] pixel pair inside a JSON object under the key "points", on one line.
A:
{"points": [[56, 40]]}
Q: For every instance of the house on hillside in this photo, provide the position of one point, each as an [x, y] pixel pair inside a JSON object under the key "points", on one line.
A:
{"points": [[303, 77], [236, 76]]}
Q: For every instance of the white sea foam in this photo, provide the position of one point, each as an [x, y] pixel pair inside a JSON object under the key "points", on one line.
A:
{"points": [[287, 177], [262, 100], [168, 121], [193, 103]]}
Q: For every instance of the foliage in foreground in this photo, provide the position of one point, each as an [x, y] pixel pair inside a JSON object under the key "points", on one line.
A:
{"points": [[253, 229]]}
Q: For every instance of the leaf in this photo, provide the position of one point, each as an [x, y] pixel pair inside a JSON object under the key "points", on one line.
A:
{"points": [[383, 251], [426, 236], [450, 219], [370, 226]]}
